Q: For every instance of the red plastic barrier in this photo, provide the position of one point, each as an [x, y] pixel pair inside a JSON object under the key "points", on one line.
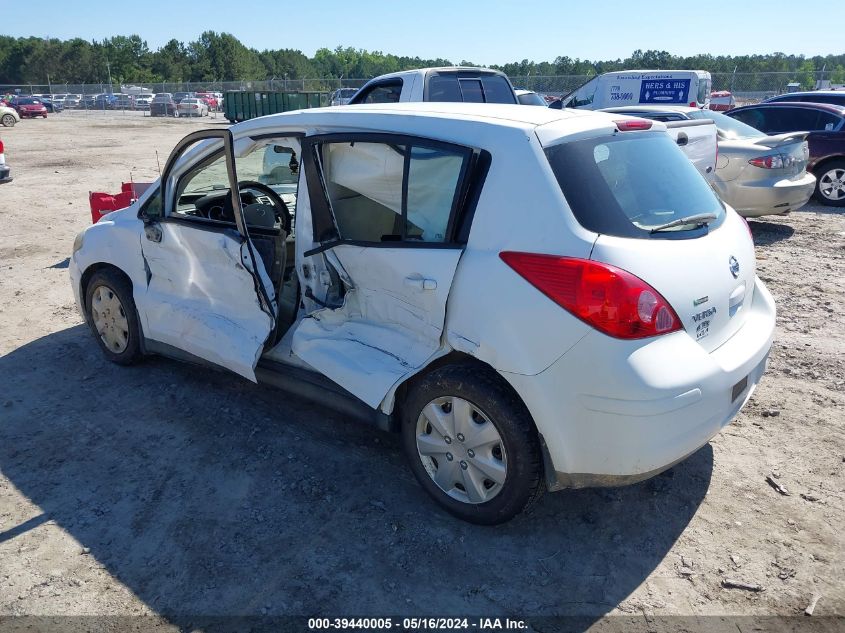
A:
{"points": [[104, 203]]}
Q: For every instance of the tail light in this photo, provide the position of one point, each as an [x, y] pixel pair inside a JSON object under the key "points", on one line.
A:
{"points": [[1, 147], [774, 161], [632, 125], [608, 298]]}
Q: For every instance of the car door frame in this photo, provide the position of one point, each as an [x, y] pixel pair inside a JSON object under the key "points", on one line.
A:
{"points": [[325, 234], [325, 230], [153, 232]]}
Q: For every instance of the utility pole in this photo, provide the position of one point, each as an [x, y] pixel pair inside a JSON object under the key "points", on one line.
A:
{"points": [[108, 68]]}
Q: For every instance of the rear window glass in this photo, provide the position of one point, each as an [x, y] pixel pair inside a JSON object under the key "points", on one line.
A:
{"points": [[497, 89], [729, 128], [630, 183], [471, 89]]}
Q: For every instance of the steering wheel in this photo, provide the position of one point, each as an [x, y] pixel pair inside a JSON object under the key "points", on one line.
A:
{"points": [[278, 203]]}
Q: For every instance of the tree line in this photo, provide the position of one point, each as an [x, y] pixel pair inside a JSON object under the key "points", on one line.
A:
{"points": [[222, 57]]}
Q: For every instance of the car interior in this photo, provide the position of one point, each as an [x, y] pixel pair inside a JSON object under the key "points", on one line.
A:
{"points": [[268, 178]]}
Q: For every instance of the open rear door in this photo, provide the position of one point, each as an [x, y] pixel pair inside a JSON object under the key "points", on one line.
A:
{"points": [[208, 295], [383, 250]]}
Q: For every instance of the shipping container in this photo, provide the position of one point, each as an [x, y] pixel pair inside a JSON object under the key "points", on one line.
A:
{"points": [[241, 105]]}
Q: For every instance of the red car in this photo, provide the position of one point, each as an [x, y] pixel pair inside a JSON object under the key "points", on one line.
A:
{"points": [[209, 99], [29, 107]]}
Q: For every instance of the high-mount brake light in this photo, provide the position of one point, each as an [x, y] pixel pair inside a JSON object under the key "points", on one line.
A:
{"points": [[632, 125], [608, 298]]}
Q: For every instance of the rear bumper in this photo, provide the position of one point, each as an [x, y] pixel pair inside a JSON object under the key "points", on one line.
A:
{"points": [[766, 197], [5, 174], [614, 412]]}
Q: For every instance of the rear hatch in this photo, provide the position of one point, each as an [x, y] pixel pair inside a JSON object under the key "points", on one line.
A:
{"points": [[630, 187]]}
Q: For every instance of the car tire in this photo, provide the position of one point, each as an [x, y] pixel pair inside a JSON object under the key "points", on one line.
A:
{"points": [[8, 120], [830, 178], [499, 441], [112, 317]]}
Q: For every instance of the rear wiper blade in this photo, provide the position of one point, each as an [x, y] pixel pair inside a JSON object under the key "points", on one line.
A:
{"points": [[699, 219]]}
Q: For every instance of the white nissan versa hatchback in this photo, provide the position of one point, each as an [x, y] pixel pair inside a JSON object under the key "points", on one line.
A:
{"points": [[533, 298]]}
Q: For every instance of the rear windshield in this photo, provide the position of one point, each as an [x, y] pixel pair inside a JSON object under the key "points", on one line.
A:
{"points": [[469, 87], [728, 128], [632, 182]]}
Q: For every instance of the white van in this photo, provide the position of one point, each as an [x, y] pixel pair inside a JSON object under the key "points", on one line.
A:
{"points": [[639, 87]]}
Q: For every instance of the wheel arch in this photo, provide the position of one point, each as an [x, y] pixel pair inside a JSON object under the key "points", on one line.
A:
{"points": [[456, 357], [89, 272], [819, 167]]}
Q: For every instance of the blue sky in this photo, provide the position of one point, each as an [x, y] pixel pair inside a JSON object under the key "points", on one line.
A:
{"points": [[489, 32]]}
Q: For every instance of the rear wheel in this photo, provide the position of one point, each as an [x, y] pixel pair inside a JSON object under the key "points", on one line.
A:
{"points": [[472, 444], [8, 120], [830, 184], [112, 317]]}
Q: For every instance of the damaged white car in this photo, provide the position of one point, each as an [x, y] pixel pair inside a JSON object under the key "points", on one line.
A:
{"points": [[536, 299]]}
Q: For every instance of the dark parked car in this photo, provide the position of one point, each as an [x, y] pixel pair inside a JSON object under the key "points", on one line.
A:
{"points": [[178, 96], [163, 104], [826, 124], [29, 107], [52, 107], [105, 102], [834, 97]]}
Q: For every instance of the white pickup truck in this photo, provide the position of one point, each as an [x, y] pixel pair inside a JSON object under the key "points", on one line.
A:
{"points": [[452, 83], [698, 139]]}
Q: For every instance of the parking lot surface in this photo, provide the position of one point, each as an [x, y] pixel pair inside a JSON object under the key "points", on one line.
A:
{"points": [[170, 489]]}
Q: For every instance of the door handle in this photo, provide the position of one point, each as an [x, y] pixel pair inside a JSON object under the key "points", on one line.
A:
{"points": [[421, 283]]}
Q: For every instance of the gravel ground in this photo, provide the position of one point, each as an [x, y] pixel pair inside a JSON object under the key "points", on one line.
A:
{"points": [[166, 489]]}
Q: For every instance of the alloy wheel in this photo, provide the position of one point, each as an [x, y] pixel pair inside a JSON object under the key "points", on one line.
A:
{"points": [[832, 184]]}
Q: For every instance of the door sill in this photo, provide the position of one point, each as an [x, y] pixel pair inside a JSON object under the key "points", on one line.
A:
{"points": [[311, 385]]}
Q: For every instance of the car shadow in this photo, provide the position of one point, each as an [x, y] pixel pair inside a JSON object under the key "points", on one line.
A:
{"points": [[767, 233], [206, 495]]}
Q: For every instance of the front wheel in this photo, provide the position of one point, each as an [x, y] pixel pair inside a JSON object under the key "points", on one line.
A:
{"points": [[830, 184], [8, 120], [472, 444], [112, 317]]}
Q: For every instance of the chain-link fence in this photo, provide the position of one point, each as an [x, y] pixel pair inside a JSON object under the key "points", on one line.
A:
{"points": [[746, 87]]}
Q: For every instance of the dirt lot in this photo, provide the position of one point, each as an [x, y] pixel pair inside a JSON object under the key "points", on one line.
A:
{"points": [[168, 489]]}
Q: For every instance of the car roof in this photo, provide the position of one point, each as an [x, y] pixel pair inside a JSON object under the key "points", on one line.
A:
{"points": [[439, 69], [514, 114], [810, 93], [651, 108], [551, 126], [825, 107]]}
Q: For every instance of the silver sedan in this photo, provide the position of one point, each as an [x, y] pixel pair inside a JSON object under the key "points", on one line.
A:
{"points": [[756, 174], [192, 107]]}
